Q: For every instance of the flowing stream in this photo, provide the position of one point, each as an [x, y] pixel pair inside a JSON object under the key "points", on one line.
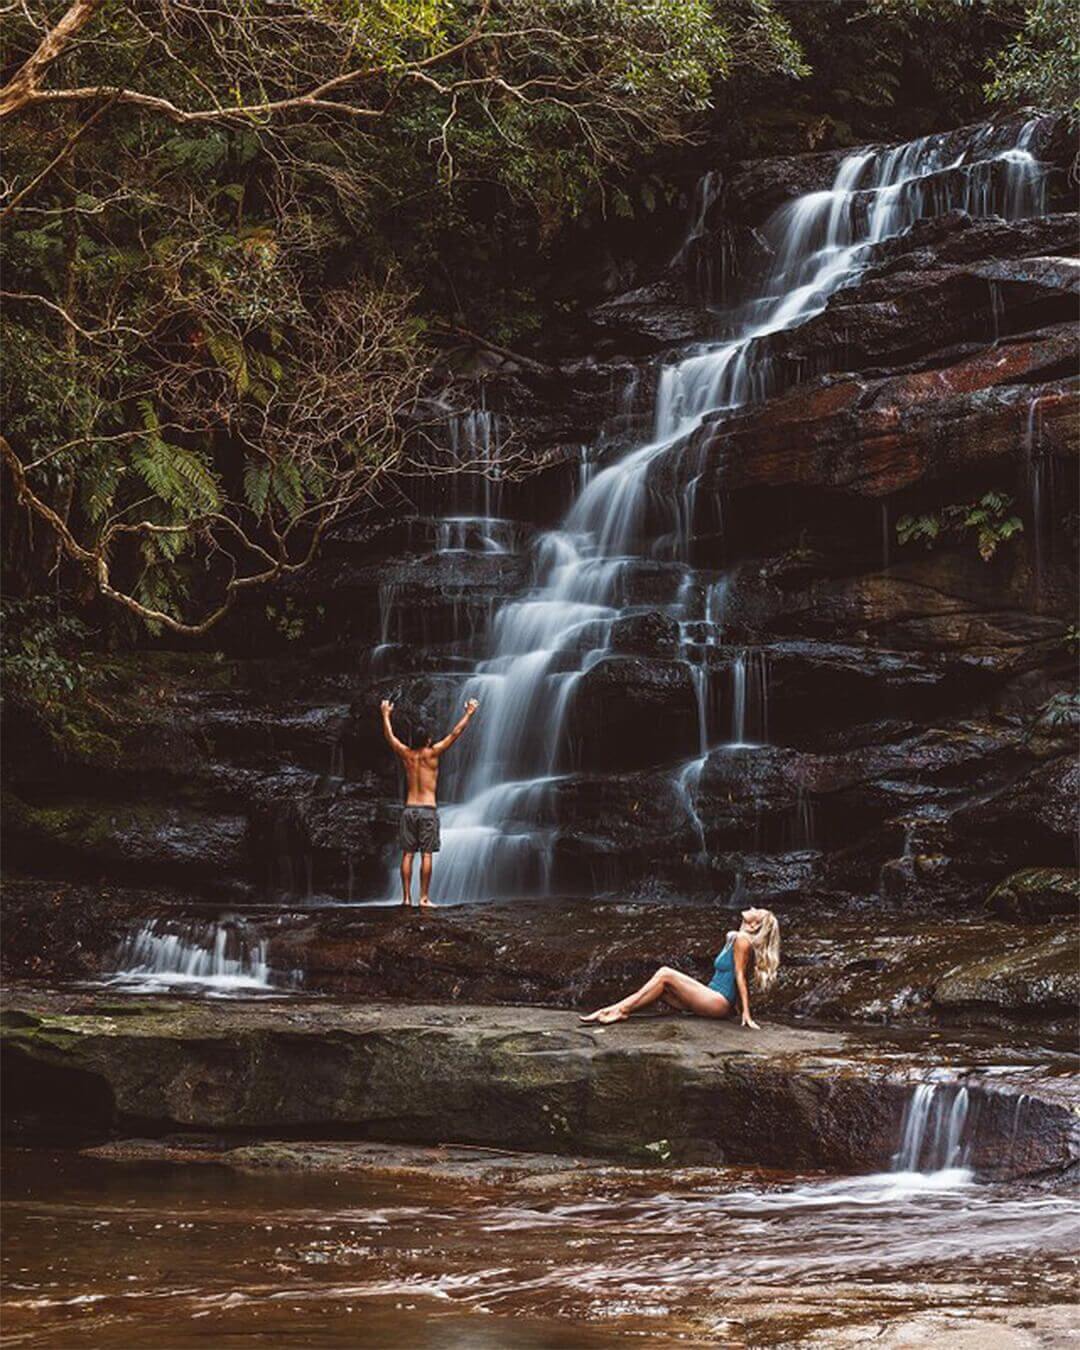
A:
{"points": [[165, 955], [108, 1255], [499, 832]]}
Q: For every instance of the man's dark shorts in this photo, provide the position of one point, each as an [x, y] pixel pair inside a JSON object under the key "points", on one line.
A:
{"points": [[420, 829]]}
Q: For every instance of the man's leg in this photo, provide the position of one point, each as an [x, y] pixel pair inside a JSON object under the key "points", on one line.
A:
{"points": [[425, 878], [406, 878]]}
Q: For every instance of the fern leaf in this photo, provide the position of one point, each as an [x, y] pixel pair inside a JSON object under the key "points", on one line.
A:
{"points": [[286, 486], [257, 486], [228, 351]]}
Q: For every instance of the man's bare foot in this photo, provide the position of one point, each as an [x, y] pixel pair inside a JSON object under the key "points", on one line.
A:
{"points": [[425, 902]]}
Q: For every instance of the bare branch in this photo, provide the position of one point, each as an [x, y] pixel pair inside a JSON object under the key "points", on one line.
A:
{"points": [[23, 87]]}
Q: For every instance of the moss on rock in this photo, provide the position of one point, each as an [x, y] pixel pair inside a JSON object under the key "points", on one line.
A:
{"points": [[1037, 893]]}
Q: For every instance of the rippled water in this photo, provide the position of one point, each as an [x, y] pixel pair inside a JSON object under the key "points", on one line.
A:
{"points": [[108, 1255]]}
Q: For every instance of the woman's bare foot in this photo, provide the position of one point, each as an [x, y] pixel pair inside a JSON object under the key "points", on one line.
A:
{"points": [[614, 1013], [425, 903]]}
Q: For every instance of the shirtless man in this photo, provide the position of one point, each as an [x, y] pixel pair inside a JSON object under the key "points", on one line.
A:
{"points": [[420, 815]]}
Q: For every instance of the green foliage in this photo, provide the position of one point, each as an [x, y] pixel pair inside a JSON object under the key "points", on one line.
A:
{"points": [[1041, 63], [46, 676], [1037, 60], [231, 332], [289, 619], [1059, 715], [988, 520]]}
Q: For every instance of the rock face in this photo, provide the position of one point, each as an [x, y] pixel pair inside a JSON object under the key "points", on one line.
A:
{"points": [[682, 1090], [1037, 893], [1036, 977], [768, 694]]}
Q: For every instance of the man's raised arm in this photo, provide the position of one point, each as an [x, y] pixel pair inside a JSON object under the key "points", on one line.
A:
{"points": [[448, 741], [388, 728]]}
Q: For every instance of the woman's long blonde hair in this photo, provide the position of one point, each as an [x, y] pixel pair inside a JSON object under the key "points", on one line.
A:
{"points": [[765, 940]]}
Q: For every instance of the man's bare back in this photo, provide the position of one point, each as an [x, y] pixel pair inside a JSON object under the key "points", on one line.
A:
{"points": [[419, 817], [421, 775]]}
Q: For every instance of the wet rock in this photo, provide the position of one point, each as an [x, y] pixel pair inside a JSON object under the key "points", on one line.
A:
{"points": [[756, 189], [813, 686], [64, 930], [629, 712], [784, 798], [1036, 893], [508, 1078], [418, 602], [614, 827], [319, 835], [1037, 980], [960, 238], [465, 1166], [147, 838], [948, 600], [652, 317], [651, 634], [904, 317], [253, 732], [874, 437], [1031, 821]]}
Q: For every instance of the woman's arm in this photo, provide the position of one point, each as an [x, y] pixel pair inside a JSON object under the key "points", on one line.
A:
{"points": [[742, 962]]}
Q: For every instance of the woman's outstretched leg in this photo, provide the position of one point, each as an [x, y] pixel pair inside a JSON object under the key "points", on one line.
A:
{"points": [[683, 991]]}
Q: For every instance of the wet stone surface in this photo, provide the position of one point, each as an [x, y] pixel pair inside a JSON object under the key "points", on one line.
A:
{"points": [[687, 1088]]}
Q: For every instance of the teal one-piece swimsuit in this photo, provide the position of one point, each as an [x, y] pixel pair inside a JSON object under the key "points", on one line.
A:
{"points": [[723, 977]]}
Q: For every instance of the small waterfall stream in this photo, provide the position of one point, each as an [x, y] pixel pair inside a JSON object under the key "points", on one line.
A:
{"points": [[498, 835], [934, 1136], [220, 958]]}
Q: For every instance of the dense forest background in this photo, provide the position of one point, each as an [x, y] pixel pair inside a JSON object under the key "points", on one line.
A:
{"points": [[245, 244]]}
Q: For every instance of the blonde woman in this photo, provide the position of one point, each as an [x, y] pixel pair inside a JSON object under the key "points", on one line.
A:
{"points": [[750, 955]]}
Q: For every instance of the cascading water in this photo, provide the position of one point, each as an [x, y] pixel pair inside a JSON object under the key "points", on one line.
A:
{"points": [[222, 958], [499, 835], [934, 1135]]}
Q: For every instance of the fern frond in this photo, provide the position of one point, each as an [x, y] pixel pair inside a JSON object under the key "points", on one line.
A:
{"points": [[287, 488], [257, 486]]}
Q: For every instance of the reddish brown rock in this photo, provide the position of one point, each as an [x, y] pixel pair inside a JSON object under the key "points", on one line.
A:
{"points": [[872, 438]]}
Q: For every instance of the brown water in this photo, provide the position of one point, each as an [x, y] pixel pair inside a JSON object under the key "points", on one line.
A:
{"points": [[104, 1254]]}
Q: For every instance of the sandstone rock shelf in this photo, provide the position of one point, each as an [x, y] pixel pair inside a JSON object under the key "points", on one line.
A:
{"points": [[655, 1089]]}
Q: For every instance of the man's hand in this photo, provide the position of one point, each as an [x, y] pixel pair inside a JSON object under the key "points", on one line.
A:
{"points": [[387, 707], [471, 706]]}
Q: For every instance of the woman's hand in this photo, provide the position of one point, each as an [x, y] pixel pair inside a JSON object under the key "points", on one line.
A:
{"points": [[748, 1021]]}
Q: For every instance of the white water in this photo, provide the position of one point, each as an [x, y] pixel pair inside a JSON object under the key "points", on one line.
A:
{"points": [[498, 838], [218, 958], [935, 1138]]}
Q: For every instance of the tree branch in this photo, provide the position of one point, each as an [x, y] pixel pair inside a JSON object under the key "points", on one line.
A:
{"points": [[24, 86]]}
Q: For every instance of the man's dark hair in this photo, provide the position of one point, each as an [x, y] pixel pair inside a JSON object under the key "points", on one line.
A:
{"points": [[421, 734]]}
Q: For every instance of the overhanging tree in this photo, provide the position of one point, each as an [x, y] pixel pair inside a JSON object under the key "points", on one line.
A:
{"points": [[211, 352]]}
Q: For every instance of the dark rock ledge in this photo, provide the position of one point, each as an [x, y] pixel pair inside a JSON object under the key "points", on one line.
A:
{"points": [[654, 1090]]}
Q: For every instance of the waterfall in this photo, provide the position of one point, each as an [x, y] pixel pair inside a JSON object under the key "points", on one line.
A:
{"points": [[704, 264], [1038, 469], [749, 699], [474, 534], [476, 441], [686, 783], [224, 958], [499, 836], [933, 1137]]}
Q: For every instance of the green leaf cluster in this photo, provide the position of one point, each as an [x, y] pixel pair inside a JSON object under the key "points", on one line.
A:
{"points": [[988, 520]]}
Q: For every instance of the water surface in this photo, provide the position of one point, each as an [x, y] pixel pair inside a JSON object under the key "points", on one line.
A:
{"points": [[104, 1254]]}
